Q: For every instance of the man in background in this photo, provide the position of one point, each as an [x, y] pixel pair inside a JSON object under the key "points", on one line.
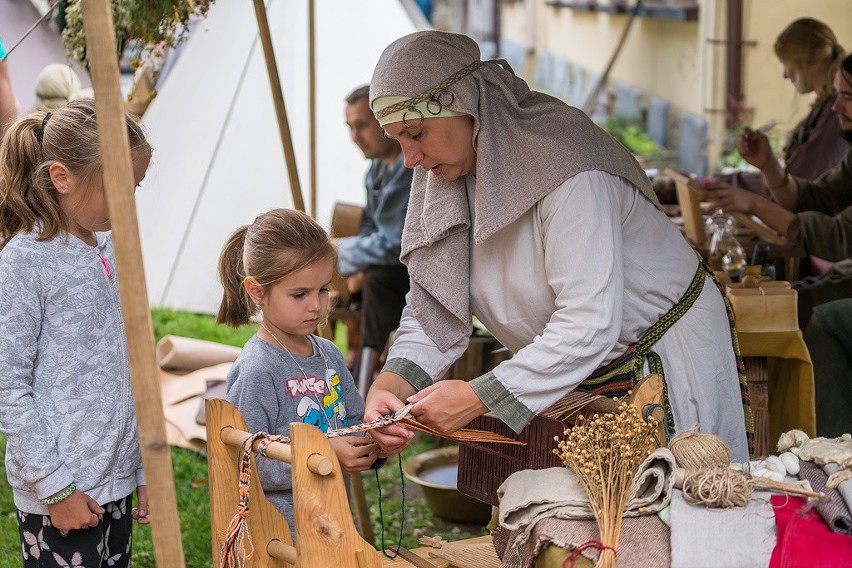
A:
{"points": [[370, 260]]}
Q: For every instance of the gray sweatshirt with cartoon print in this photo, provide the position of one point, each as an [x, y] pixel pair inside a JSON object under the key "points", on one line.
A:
{"points": [[271, 389], [66, 405]]}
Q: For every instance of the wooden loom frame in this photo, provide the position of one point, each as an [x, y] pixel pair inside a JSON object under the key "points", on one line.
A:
{"points": [[326, 534]]}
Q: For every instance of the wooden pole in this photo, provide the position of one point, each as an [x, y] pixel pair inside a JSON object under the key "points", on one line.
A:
{"points": [[278, 101], [119, 189], [312, 104]]}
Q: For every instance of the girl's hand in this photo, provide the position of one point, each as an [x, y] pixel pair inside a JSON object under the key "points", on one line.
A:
{"points": [[754, 148], [447, 405], [78, 511], [385, 398], [140, 511], [730, 198], [355, 453]]}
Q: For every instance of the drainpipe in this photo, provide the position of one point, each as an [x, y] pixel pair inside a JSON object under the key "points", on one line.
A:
{"points": [[734, 65], [498, 20]]}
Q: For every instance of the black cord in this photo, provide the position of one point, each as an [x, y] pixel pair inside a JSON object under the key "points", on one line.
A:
{"points": [[381, 514]]}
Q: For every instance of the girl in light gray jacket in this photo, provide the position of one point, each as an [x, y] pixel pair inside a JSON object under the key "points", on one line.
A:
{"points": [[66, 405]]}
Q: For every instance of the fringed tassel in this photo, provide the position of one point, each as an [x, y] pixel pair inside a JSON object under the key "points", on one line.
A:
{"points": [[234, 553]]}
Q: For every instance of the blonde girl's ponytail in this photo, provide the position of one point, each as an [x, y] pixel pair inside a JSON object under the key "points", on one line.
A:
{"points": [[236, 308], [26, 193]]}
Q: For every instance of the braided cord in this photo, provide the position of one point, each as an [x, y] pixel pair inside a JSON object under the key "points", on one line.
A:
{"points": [[430, 94]]}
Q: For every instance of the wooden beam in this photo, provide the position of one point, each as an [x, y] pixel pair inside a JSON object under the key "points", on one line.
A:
{"points": [[119, 188], [278, 102]]}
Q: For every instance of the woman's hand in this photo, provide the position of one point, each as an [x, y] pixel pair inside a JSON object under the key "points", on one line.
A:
{"points": [[730, 198], [386, 397], [447, 405], [139, 513], [78, 511], [355, 453], [755, 149]]}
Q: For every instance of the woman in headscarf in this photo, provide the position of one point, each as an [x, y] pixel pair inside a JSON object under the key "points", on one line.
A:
{"points": [[527, 215], [57, 84]]}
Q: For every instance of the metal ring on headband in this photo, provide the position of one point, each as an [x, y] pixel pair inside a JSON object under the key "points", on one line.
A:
{"points": [[436, 98], [413, 110]]}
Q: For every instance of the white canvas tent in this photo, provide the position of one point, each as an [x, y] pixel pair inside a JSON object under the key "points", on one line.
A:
{"points": [[218, 160]]}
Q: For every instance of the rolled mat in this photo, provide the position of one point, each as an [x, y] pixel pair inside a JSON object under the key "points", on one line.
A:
{"points": [[184, 355], [832, 509]]}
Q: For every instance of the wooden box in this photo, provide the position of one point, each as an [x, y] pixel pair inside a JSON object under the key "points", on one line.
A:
{"points": [[772, 306]]}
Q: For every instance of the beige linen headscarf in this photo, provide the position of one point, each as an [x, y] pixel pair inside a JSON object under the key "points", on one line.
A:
{"points": [[527, 144]]}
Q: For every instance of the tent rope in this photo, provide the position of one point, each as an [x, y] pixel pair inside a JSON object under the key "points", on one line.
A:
{"points": [[44, 16]]}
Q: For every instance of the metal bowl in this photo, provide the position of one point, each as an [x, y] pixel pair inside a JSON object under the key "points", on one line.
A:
{"points": [[436, 472]]}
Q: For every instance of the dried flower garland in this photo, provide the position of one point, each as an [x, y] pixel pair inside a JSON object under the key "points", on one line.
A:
{"points": [[150, 22], [605, 453]]}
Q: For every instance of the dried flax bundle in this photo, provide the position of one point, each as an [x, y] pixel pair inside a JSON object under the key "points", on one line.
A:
{"points": [[605, 453]]}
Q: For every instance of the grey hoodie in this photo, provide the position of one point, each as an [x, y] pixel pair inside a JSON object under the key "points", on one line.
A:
{"points": [[66, 405]]}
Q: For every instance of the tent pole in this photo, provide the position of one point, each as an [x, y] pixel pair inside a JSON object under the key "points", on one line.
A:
{"points": [[278, 101], [119, 189], [312, 101]]}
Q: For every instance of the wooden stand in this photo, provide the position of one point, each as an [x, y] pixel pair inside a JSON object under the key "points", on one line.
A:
{"points": [[325, 532]]}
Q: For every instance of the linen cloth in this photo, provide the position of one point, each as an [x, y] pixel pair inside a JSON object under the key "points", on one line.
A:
{"points": [[643, 542], [715, 538], [529, 496]]}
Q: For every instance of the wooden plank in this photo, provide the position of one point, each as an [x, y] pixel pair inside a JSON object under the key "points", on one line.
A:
{"points": [[764, 232], [312, 106], [119, 188], [689, 198], [278, 102], [325, 532]]}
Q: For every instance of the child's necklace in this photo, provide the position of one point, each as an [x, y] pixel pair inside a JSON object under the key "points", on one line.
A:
{"points": [[325, 382]]}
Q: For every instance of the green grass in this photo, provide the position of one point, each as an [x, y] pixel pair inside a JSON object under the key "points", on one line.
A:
{"points": [[190, 475]]}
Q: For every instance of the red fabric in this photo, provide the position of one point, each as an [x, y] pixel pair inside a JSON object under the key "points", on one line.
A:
{"points": [[804, 540]]}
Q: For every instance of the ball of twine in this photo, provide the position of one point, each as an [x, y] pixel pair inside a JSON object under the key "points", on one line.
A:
{"points": [[696, 450], [719, 487]]}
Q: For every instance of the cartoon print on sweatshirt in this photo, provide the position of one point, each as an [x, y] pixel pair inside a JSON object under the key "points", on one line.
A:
{"points": [[312, 391]]}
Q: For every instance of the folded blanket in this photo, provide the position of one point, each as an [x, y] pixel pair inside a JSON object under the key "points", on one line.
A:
{"points": [[804, 540], [845, 488], [643, 542], [528, 496], [832, 509]]}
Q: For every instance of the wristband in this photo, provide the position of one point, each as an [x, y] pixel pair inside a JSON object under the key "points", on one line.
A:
{"points": [[2, 49], [65, 494]]}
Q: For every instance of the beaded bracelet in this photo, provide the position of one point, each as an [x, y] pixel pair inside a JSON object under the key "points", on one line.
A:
{"points": [[65, 494]]}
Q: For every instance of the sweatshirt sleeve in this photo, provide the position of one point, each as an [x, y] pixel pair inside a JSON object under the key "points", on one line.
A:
{"points": [[31, 449], [253, 393]]}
